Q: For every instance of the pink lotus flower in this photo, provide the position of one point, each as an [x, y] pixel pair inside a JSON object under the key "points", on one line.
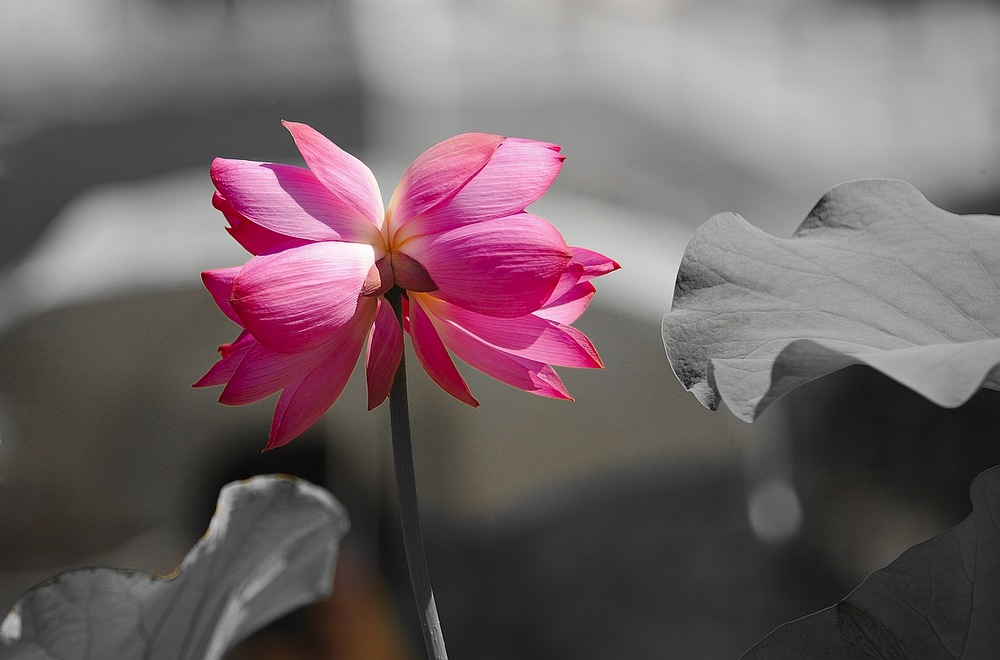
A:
{"points": [[483, 279]]}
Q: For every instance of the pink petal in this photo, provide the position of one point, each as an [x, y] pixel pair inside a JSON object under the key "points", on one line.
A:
{"points": [[570, 278], [223, 370], [527, 375], [439, 172], [549, 384], [568, 307], [297, 299], [262, 372], [519, 172], [220, 373], [345, 176], [594, 264], [219, 283], [530, 337], [406, 315], [524, 374], [433, 356], [305, 401], [385, 348], [505, 267], [254, 238], [244, 340], [290, 201], [573, 293]]}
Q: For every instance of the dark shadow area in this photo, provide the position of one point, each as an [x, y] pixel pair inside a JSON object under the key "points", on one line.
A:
{"points": [[880, 468], [657, 563]]}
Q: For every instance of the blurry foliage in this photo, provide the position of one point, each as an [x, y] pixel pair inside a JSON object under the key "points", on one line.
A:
{"points": [[269, 549]]}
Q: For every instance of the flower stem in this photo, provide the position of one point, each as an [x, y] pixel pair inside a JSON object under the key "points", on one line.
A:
{"points": [[406, 485]]}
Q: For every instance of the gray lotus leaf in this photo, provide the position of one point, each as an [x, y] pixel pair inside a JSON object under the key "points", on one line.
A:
{"points": [[875, 275], [270, 548]]}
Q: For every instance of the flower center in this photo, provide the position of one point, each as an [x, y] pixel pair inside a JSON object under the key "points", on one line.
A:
{"points": [[397, 268], [410, 274], [379, 278]]}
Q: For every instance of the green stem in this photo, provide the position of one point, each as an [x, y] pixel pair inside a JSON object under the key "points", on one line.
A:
{"points": [[406, 485]]}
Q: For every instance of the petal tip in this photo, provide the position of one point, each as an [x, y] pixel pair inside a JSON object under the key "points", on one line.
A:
{"points": [[294, 126], [276, 439], [203, 382]]}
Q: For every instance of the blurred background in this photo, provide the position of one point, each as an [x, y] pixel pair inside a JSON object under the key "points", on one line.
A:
{"points": [[631, 523]]}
